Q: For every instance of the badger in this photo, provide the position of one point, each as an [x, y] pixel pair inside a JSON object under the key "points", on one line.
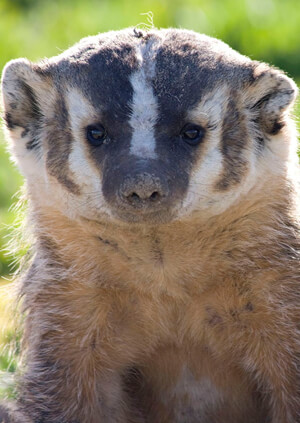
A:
{"points": [[163, 284]]}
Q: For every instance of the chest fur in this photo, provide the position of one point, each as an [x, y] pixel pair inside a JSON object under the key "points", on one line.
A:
{"points": [[192, 398]]}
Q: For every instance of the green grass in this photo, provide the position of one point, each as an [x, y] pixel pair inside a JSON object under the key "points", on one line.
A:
{"points": [[266, 30]]}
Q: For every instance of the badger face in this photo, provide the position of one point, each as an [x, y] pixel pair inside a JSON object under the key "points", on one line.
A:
{"points": [[143, 129]]}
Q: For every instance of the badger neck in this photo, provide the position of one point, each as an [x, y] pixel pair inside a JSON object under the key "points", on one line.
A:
{"points": [[169, 256]]}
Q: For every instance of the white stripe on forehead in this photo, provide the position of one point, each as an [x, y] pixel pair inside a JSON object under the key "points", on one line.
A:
{"points": [[144, 105]]}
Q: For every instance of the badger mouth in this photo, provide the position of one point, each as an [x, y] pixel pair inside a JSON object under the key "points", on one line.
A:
{"points": [[144, 215]]}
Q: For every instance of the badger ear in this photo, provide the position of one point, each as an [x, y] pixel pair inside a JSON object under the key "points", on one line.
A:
{"points": [[270, 96], [25, 90]]}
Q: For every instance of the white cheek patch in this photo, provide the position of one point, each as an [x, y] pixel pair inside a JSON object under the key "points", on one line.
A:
{"points": [[200, 190], [29, 163], [80, 110], [202, 196], [43, 187], [211, 108], [84, 174], [144, 108]]}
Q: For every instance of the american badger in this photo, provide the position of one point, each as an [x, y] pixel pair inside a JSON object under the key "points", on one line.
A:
{"points": [[164, 279]]}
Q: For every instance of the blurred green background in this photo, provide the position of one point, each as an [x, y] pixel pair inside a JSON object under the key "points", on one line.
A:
{"points": [[267, 30]]}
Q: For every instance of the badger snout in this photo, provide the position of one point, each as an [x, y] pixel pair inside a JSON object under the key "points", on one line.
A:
{"points": [[143, 190], [138, 189]]}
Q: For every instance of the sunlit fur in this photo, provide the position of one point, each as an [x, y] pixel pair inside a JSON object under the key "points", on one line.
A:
{"points": [[192, 319]]}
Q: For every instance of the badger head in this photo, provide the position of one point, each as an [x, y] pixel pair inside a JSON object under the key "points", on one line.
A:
{"points": [[144, 128]]}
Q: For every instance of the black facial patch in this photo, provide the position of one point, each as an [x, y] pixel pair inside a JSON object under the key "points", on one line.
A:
{"points": [[190, 66], [233, 142], [180, 81], [103, 77], [59, 141]]}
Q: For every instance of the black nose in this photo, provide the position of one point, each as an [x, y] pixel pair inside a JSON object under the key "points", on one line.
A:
{"points": [[143, 190]]}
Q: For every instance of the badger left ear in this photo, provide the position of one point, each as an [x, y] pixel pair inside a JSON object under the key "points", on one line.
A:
{"points": [[27, 97], [270, 96], [22, 90]]}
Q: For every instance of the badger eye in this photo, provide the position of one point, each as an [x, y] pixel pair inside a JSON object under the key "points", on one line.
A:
{"points": [[192, 134], [96, 134]]}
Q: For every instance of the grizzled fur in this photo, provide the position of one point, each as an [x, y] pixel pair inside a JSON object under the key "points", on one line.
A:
{"points": [[164, 284]]}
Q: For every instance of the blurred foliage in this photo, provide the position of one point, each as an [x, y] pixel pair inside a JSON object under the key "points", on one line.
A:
{"points": [[265, 30]]}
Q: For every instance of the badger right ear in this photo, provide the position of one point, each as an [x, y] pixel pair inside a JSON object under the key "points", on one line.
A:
{"points": [[270, 96], [25, 90]]}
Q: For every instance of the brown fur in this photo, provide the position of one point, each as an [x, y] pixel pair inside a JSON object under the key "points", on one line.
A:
{"points": [[201, 295]]}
